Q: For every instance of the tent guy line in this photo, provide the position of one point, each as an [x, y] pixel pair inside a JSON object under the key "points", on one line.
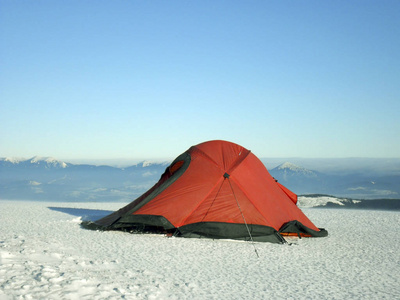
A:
{"points": [[226, 176]]}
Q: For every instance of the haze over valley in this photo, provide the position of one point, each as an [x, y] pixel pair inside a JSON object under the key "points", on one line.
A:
{"points": [[41, 178]]}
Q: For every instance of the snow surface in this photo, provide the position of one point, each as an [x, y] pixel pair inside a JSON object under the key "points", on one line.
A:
{"points": [[45, 254]]}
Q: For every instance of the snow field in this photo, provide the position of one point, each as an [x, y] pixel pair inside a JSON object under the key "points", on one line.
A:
{"points": [[45, 254]]}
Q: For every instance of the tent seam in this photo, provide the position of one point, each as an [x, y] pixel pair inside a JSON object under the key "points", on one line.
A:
{"points": [[191, 213]]}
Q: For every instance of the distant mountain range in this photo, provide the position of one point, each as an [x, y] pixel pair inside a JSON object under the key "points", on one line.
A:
{"points": [[353, 184], [50, 179], [45, 178]]}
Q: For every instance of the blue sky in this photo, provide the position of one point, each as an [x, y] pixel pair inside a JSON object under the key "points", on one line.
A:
{"points": [[148, 79]]}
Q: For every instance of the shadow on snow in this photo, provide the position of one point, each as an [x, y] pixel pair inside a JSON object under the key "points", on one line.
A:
{"points": [[85, 213]]}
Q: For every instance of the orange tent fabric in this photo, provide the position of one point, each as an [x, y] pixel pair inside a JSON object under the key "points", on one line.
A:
{"points": [[216, 189]]}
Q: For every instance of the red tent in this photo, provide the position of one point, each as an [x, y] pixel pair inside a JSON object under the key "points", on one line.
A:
{"points": [[216, 189]]}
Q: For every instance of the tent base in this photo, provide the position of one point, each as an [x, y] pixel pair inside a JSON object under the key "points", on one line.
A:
{"points": [[217, 230]]}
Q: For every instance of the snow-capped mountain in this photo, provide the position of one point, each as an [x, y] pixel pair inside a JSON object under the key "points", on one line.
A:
{"points": [[36, 161], [292, 167], [48, 162], [300, 180], [12, 160], [289, 169]]}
